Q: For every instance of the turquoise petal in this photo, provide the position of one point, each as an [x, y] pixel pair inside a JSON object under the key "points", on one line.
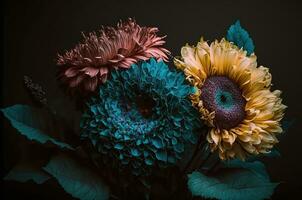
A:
{"points": [[118, 146], [149, 161], [121, 131], [161, 155], [135, 152], [179, 147], [157, 142]]}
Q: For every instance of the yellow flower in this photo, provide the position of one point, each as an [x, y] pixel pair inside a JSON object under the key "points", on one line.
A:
{"points": [[234, 98]]}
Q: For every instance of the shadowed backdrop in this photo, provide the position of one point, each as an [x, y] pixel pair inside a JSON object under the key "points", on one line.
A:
{"points": [[35, 31]]}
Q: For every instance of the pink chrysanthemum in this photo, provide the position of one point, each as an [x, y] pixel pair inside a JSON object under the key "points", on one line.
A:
{"points": [[89, 63]]}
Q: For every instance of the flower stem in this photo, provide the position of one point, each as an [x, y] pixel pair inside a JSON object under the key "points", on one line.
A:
{"points": [[214, 167], [196, 155]]}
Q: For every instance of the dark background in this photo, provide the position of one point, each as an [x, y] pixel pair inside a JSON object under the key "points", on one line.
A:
{"points": [[35, 31]]}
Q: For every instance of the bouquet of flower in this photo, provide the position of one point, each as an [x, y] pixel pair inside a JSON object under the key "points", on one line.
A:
{"points": [[154, 129]]}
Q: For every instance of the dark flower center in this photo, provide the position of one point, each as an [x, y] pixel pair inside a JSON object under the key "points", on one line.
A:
{"points": [[145, 105], [221, 95]]}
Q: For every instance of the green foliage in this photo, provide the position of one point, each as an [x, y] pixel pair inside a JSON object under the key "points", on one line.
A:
{"points": [[27, 172], [31, 123], [77, 180], [237, 180]]}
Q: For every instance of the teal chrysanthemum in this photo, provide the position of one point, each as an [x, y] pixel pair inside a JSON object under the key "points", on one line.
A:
{"points": [[142, 117]]}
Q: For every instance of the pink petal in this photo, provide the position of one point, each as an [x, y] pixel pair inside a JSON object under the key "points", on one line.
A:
{"points": [[117, 58], [141, 57], [76, 81], [91, 84], [90, 71], [125, 64], [123, 51], [114, 47], [103, 71], [71, 72], [103, 78]]}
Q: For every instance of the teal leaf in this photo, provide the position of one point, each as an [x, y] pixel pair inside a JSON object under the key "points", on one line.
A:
{"points": [[30, 123], [272, 154], [240, 37], [77, 180], [286, 124], [27, 172], [256, 167], [237, 181]]}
